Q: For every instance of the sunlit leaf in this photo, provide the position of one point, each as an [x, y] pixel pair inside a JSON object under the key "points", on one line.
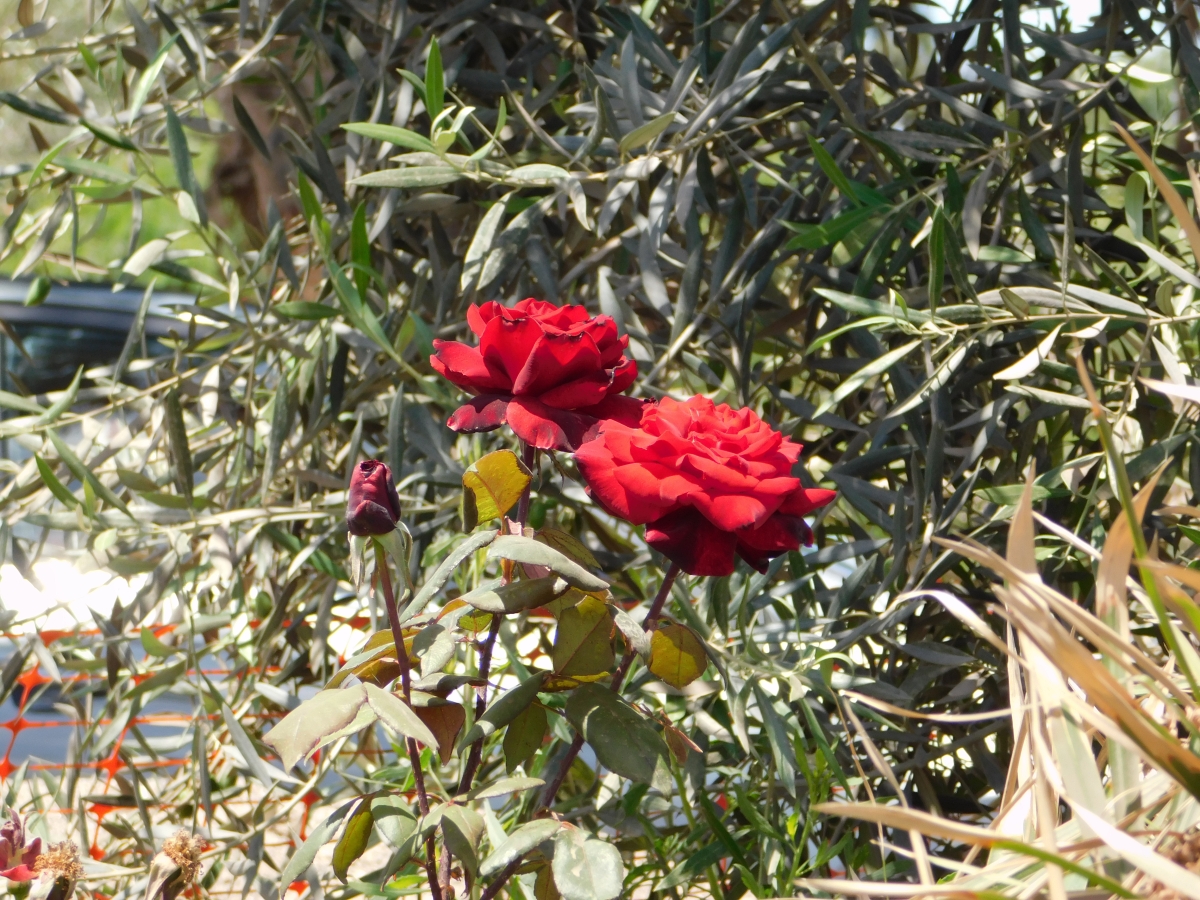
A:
{"points": [[586, 868], [353, 842], [496, 482], [677, 656], [582, 644]]}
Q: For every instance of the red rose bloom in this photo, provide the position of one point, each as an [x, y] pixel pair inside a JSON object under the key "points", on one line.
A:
{"points": [[551, 372], [373, 506], [708, 481]]}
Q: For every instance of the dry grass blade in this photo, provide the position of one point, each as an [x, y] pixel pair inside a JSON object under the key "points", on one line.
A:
{"points": [[842, 887], [1183, 215], [935, 826], [1111, 597], [920, 852], [1153, 864], [884, 706], [1020, 550]]}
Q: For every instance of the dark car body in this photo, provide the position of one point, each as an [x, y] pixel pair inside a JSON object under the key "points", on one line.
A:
{"points": [[76, 325]]}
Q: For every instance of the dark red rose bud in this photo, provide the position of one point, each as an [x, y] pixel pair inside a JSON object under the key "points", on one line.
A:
{"points": [[373, 506]]}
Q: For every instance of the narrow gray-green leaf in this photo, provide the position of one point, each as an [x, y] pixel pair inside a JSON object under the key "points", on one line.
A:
{"points": [[177, 441], [779, 739], [504, 709], [390, 134], [266, 774], [521, 841], [534, 553], [146, 80], [862, 376], [65, 402], [83, 473], [307, 852], [481, 243], [646, 133], [437, 580], [410, 177], [281, 419], [397, 717]]}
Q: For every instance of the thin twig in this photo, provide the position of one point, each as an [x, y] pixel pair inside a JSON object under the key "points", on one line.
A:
{"points": [[568, 759], [618, 679], [475, 757]]}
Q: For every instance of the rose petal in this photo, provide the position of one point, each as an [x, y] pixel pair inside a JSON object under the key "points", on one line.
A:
{"points": [[586, 391], [370, 518], [507, 342], [721, 477], [730, 512], [557, 359], [687, 538], [652, 490], [626, 410], [548, 428], [779, 534], [558, 317], [603, 331], [805, 500], [477, 319], [776, 535], [466, 367], [372, 504], [479, 414], [624, 374]]}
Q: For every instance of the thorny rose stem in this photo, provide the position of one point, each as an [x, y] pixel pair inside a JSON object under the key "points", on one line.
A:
{"points": [[485, 655], [414, 755], [551, 791], [647, 625]]}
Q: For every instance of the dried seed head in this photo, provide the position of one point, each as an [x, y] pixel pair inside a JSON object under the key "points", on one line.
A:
{"points": [[1183, 849], [60, 861], [184, 851]]}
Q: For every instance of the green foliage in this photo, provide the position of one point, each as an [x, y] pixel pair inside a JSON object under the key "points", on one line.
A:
{"points": [[890, 237]]}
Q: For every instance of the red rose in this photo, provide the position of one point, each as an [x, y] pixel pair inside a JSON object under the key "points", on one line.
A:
{"points": [[707, 481], [551, 372], [373, 506]]}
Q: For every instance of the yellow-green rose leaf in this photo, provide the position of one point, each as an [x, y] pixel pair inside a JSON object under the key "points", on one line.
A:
{"points": [[677, 656], [496, 483]]}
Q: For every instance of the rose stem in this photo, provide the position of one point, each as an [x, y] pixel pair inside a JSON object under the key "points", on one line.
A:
{"points": [[577, 744], [500, 880], [647, 625], [485, 654], [414, 755], [527, 455]]}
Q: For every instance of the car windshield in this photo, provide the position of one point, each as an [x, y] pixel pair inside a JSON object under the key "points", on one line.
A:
{"points": [[53, 354]]}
